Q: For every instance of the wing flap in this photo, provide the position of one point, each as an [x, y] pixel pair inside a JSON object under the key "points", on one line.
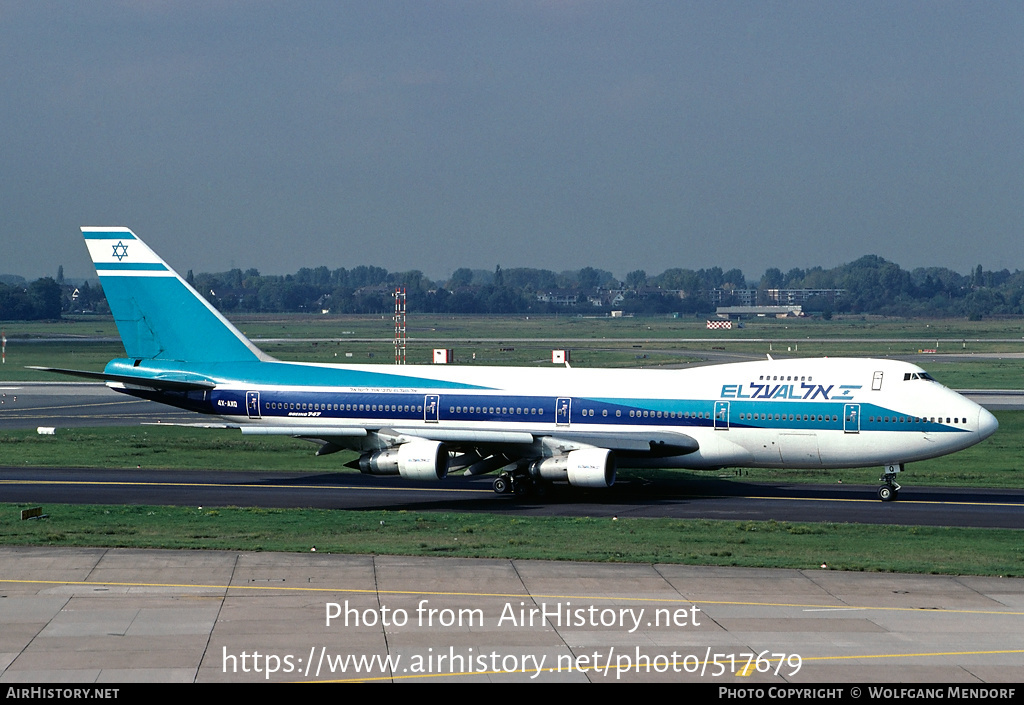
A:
{"points": [[658, 443], [430, 434], [305, 431], [469, 436]]}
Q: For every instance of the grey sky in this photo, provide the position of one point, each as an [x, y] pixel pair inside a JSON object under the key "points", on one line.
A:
{"points": [[435, 135]]}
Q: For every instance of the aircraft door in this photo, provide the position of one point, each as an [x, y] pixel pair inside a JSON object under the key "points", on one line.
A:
{"points": [[252, 404], [851, 418], [876, 381], [721, 416], [563, 407], [431, 408]]}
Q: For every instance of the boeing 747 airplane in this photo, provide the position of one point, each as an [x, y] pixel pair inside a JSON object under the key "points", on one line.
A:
{"points": [[531, 426]]}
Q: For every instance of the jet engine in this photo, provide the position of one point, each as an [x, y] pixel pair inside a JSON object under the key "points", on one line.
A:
{"points": [[418, 460], [591, 467]]}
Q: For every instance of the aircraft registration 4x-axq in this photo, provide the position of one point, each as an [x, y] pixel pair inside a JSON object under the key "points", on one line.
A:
{"points": [[532, 426]]}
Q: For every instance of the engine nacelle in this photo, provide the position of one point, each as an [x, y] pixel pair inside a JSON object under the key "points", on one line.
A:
{"points": [[592, 467], [419, 460]]}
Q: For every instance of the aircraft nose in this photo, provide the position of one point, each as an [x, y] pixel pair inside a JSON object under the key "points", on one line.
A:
{"points": [[987, 423]]}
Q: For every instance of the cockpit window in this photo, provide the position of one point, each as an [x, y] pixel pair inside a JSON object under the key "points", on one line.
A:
{"points": [[917, 375]]}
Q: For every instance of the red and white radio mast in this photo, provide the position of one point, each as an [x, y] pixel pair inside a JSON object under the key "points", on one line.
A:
{"points": [[400, 337]]}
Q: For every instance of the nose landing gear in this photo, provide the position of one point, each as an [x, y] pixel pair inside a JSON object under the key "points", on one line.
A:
{"points": [[890, 491]]}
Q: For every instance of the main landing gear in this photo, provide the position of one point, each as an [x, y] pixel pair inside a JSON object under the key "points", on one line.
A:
{"points": [[519, 483], [890, 491]]}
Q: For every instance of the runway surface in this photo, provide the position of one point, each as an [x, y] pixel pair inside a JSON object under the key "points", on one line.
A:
{"points": [[710, 499]]}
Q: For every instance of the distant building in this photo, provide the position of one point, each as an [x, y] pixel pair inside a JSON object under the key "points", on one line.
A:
{"points": [[607, 297], [742, 297], [559, 297], [774, 311], [788, 297]]}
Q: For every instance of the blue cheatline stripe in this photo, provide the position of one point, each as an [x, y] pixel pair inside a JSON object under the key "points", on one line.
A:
{"points": [[127, 266], [118, 235]]}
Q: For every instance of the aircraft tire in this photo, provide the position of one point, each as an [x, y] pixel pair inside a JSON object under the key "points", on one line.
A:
{"points": [[887, 494]]}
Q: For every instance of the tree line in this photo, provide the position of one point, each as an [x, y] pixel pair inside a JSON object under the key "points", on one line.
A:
{"points": [[870, 284]]}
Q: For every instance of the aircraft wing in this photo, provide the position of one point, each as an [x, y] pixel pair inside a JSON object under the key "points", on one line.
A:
{"points": [[655, 443]]}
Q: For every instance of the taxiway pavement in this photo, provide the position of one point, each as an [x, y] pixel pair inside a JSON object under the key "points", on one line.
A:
{"points": [[119, 615]]}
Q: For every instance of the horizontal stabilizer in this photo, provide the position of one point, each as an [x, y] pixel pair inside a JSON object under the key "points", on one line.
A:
{"points": [[174, 385]]}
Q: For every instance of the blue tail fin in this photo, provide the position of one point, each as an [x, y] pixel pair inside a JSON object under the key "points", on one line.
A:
{"points": [[159, 316]]}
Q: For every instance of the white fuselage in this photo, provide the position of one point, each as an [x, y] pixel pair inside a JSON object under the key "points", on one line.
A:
{"points": [[813, 413]]}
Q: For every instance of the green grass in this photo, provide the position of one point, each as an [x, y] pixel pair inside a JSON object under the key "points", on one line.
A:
{"points": [[982, 374], [75, 355], [698, 542], [163, 447]]}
